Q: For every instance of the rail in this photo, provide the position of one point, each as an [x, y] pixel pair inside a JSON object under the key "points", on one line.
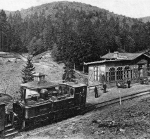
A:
{"points": [[115, 100]]}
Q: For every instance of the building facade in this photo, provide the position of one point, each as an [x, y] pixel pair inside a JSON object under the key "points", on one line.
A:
{"points": [[116, 66]]}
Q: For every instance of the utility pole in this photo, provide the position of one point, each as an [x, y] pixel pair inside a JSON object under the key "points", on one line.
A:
{"points": [[74, 66], [83, 68]]}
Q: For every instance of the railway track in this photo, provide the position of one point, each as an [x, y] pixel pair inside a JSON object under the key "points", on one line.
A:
{"points": [[115, 100], [87, 111]]}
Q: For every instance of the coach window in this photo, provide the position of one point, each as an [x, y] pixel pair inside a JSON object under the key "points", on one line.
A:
{"points": [[63, 89], [60, 90], [72, 90], [84, 91], [66, 89]]}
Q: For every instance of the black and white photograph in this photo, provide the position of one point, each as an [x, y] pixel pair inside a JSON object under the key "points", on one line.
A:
{"points": [[74, 69]]}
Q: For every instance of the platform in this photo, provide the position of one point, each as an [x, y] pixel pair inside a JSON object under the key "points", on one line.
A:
{"points": [[115, 92]]}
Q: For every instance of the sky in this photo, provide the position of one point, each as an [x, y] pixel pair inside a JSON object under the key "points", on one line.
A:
{"points": [[130, 8]]}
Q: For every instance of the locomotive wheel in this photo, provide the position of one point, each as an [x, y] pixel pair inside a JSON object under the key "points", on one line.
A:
{"points": [[72, 112], [17, 124], [58, 116], [67, 114], [44, 121], [28, 124], [82, 112], [23, 124], [64, 114], [51, 118]]}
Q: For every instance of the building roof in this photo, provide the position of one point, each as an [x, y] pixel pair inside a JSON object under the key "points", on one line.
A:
{"points": [[73, 84], [39, 85], [123, 56], [109, 57], [101, 62]]}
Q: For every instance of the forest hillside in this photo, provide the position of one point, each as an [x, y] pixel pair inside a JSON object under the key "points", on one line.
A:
{"points": [[145, 19], [73, 32]]}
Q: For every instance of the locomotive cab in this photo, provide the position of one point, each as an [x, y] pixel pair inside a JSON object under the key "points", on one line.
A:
{"points": [[78, 91]]}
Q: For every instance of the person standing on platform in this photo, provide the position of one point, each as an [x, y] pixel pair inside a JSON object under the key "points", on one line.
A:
{"points": [[128, 82], [96, 92], [102, 77], [104, 87]]}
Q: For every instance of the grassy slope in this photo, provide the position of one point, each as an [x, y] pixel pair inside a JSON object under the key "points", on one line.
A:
{"points": [[10, 77], [11, 73], [53, 70]]}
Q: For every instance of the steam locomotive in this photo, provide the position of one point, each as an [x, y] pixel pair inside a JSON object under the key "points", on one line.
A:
{"points": [[43, 101]]}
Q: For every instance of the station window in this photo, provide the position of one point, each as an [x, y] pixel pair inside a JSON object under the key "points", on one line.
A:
{"points": [[96, 73], [126, 72], [112, 74], [119, 73], [107, 76], [131, 74]]}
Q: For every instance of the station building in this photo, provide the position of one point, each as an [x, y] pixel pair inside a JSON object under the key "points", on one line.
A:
{"points": [[117, 66]]}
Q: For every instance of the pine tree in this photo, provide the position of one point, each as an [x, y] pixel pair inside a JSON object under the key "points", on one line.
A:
{"points": [[3, 31], [27, 72], [68, 75]]}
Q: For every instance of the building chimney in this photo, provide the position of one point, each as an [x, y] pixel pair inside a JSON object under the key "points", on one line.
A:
{"points": [[116, 54], [39, 77]]}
